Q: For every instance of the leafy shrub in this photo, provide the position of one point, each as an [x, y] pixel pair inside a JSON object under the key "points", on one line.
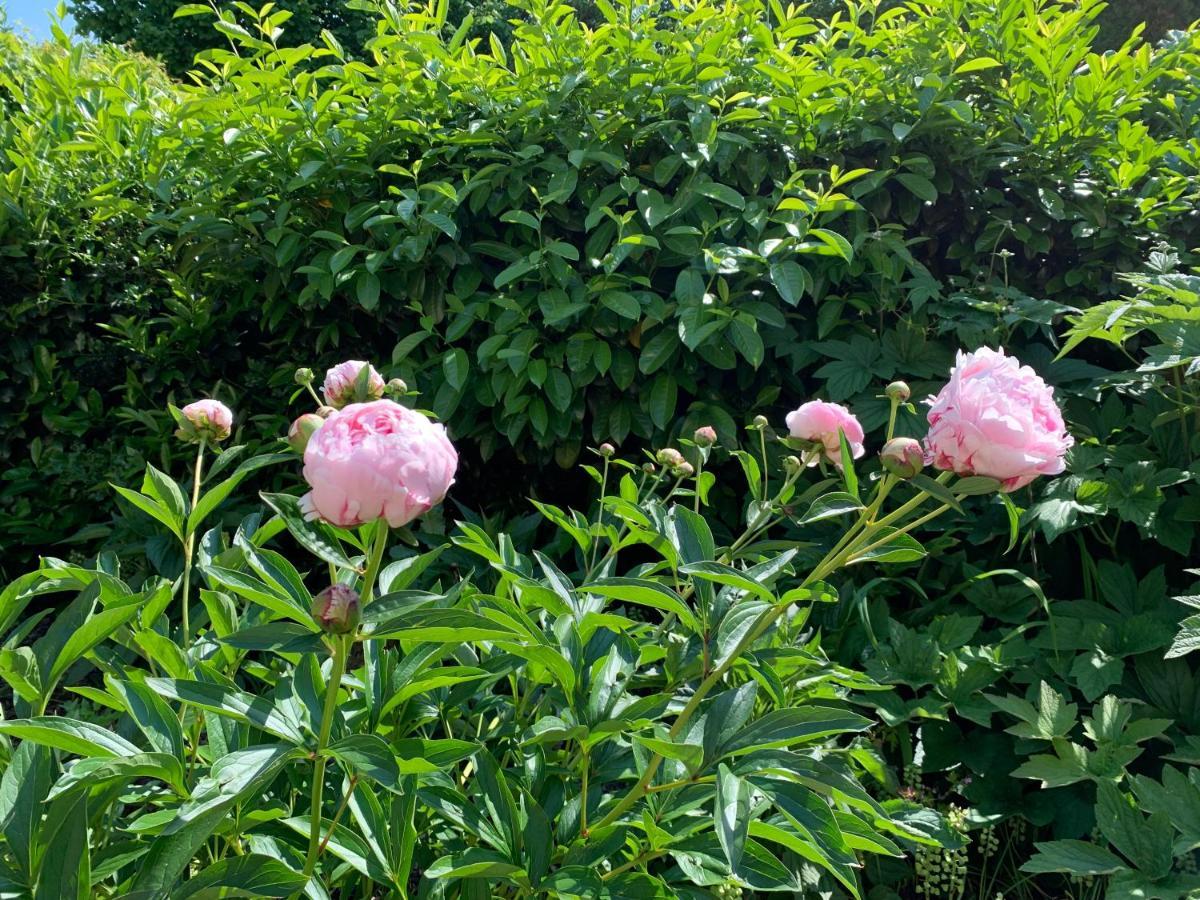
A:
{"points": [[701, 210], [643, 709]]}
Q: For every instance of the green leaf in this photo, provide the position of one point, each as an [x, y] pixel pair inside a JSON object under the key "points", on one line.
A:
{"points": [[69, 735], [849, 476], [152, 508], [788, 278], [369, 755], [691, 755], [1073, 857], [977, 65], [893, 547], [785, 727], [835, 242], [731, 812], [722, 194], [98, 627], [252, 875], [66, 865], [451, 626], [829, 505], [261, 712], [723, 574], [315, 537]]}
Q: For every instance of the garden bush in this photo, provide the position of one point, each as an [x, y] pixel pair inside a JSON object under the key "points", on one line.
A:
{"points": [[684, 217], [645, 711]]}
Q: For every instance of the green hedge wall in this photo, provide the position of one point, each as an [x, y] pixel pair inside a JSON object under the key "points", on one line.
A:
{"points": [[676, 218]]}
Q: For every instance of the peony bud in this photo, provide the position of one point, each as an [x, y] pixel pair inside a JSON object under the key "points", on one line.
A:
{"points": [[683, 470], [397, 387], [898, 392], [792, 464], [705, 436], [336, 609], [353, 381], [760, 423], [607, 450], [303, 429], [670, 457], [204, 420], [325, 411], [304, 376], [649, 468], [903, 457]]}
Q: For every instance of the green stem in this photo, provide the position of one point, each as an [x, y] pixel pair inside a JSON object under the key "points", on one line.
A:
{"points": [[189, 545], [373, 562], [341, 650], [583, 795], [337, 816]]}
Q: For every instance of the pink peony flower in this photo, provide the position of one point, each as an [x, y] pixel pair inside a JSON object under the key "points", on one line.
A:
{"points": [[820, 422], [341, 384], [205, 419], [996, 418], [376, 460]]}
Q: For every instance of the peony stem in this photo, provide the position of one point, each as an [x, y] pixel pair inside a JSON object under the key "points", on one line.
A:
{"points": [[374, 561], [189, 545], [341, 650]]}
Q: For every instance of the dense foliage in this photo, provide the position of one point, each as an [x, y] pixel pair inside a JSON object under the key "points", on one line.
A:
{"points": [[153, 27], [686, 216], [649, 716]]}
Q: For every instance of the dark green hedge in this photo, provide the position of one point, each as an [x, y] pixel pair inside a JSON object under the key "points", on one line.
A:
{"points": [[589, 235]]}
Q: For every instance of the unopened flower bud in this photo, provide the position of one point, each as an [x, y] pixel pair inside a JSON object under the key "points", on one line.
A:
{"points": [[607, 450], [705, 436], [302, 429], [649, 468], [397, 387], [336, 609], [203, 420], [683, 470], [792, 464], [304, 376], [759, 423], [670, 457], [325, 411], [903, 457], [353, 381], [898, 391]]}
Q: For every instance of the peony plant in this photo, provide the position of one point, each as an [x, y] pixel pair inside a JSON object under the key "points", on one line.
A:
{"points": [[351, 706]]}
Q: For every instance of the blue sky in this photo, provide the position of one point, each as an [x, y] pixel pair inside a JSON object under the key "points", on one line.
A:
{"points": [[30, 14]]}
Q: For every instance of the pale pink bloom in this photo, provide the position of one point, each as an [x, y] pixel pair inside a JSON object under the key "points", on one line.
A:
{"points": [[819, 422], [340, 382], [376, 460], [209, 418], [996, 418]]}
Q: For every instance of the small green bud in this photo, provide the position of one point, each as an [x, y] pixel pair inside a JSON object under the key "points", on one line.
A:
{"points": [[304, 376], [759, 423], [705, 436], [903, 457], [397, 387], [303, 429], [607, 450], [336, 609], [670, 457], [898, 391]]}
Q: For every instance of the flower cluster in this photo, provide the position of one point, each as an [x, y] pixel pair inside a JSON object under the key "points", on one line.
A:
{"points": [[994, 418]]}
